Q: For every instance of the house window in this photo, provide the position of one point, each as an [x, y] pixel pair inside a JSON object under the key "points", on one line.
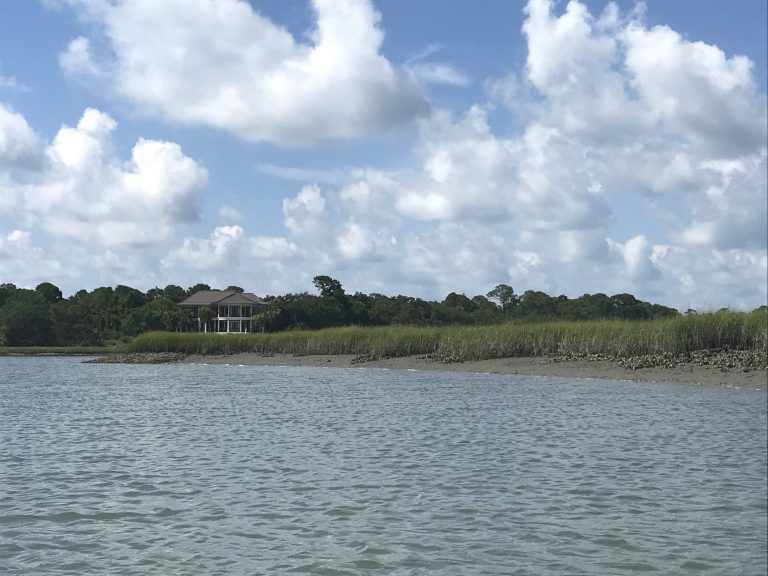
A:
{"points": [[246, 311], [234, 311], [222, 326], [234, 326]]}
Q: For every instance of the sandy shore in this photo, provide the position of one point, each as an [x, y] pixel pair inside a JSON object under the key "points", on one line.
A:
{"points": [[537, 366]]}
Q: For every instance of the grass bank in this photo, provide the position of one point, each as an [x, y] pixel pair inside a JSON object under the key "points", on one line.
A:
{"points": [[59, 350], [614, 338]]}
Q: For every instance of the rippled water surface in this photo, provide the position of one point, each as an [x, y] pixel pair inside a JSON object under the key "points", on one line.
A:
{"points": [[188, 469]]}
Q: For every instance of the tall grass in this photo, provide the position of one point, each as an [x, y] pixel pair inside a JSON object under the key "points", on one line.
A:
{"points": [[60, 350], [617, 338]]}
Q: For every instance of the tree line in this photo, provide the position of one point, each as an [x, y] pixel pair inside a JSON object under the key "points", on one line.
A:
{"points": [[43, 317]]}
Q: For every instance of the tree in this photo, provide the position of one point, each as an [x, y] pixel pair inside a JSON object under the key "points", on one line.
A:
{"points": [[536, 304], [154, 294], [629, 307], [234, 289], [328, 287], [26, 320], [486, 312], [6, 290], [176, 293], [127, 298], [205, 314], [504, 295], [334, 307], [265, 321], [197, 288], [158, 314], [48, 291], [459, 301]]}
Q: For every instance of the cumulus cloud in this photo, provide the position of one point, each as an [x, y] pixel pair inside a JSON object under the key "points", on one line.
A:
{"points": [[230, 213], [23, 262], [540, 209], [87, 194], [635, 163], [77, 60], [221, 248], [19, 145], [222, 64]]}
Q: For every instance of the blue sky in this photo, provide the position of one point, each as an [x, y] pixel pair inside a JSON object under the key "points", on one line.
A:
{"points": [[401, 147]]}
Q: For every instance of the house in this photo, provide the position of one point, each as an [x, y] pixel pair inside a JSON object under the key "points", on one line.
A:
{"points": [[222, 310]]}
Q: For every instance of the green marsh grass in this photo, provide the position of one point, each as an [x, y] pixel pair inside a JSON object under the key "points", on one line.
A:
{"points": [[60, 350], [617, 338]]}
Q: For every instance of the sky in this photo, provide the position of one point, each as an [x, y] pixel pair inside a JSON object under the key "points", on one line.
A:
{"points": [[401, 147]]}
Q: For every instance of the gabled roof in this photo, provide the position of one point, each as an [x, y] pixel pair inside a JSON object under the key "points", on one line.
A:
{"points": [[223, 297], [241, 298]]}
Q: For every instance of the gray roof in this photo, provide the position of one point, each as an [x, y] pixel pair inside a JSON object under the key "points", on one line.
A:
{"points": [[223, 297]]}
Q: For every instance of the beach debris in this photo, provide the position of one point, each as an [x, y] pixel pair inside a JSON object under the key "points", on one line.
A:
{"points": [[139, 358], [725, 359]]}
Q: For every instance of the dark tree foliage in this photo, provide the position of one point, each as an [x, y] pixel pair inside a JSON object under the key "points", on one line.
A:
{"points": [[6, 290], [106, 314], [25, 319], [197, 288], [48, 291], [176, 293], [504, 295]]}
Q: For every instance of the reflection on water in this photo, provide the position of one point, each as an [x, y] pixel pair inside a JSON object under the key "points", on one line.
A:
{"points": [[255, 470]]}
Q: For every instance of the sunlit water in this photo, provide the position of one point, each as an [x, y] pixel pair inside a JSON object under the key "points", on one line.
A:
{"points": [[191, 469]]}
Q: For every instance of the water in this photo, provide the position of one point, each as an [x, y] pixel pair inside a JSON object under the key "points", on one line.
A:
{"points": [[185, 469]]}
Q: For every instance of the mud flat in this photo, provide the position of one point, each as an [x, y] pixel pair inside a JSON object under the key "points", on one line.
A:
{"points": [[687, 372]]}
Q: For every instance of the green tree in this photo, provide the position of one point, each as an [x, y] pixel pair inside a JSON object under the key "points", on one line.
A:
{"points": [[504, 295], [48, 291], [328, 287], [205, 314], [537, 305], [26, 320], [6, 290], [158, 314], [334, 307], [234, 289], [175, 293], [197, 288], [155, 294], [459, 301], [485, 312]]}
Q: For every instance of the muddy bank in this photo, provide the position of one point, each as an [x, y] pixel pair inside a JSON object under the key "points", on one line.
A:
{"points": [[139, 358], [720, 367]]}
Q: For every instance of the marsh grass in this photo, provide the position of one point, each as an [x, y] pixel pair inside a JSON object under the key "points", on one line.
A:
{"points": [[615, 338], [60, 350]]}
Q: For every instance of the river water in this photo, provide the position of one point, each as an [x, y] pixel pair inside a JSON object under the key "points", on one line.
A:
{"points": [[195, 469]]}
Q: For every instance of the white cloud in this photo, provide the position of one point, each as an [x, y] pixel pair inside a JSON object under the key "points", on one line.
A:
{"points": [[301, 174], [85, 193], [692, 88], [637, 255], [222, 64], [19, 145], [77, 60], [24, 263], [222, 248], [305, 214], [439, 73], [610, 178], [11, 83], [272, 248], [231, 214]]}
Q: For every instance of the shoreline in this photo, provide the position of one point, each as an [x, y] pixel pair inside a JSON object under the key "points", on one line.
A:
{"points": [[524, 366]]}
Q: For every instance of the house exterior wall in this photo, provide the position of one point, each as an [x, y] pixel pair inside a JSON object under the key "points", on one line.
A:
{"points": [[227, 319]]}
